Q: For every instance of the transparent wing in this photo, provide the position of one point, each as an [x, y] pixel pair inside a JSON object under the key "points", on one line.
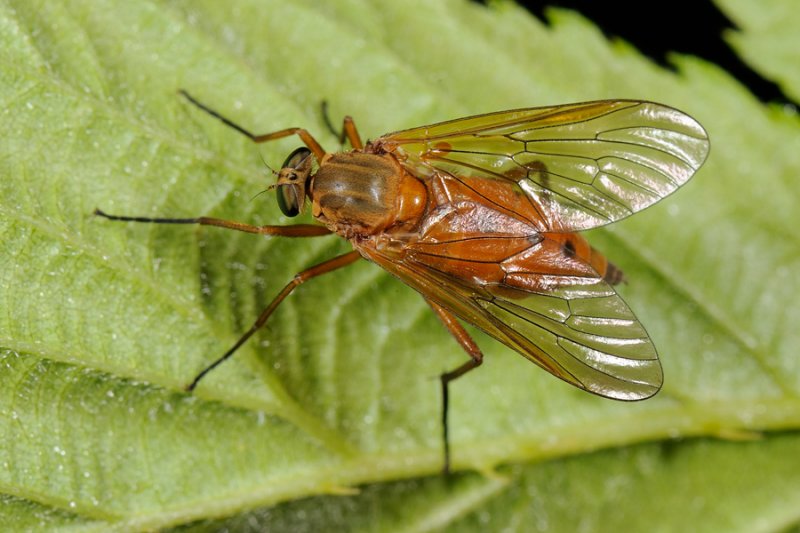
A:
{"points": [[571, 323], [582, 165]]}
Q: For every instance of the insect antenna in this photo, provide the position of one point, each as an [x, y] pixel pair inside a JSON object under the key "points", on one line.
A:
{"points": [[256, 195], [274, 172]]}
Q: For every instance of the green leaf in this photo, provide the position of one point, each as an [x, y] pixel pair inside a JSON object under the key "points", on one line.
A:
{"points": [[104, 323], [698, 485], [768, 40]]}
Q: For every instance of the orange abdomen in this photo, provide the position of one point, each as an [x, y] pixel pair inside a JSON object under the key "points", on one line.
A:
{"points": [[487, 233], [575, 245]]}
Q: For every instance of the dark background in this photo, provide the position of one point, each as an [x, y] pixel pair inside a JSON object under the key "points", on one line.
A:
{"points": [[658, 28]]}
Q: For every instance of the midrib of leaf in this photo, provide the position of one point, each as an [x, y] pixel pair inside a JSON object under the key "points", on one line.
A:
{"points": [[724, 419], [460, 504]]}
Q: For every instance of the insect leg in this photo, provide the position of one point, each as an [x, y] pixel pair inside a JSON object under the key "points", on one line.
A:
{"points": [[304, 135], [317, 270], [349, 130], [296, 230], [475, 360]]}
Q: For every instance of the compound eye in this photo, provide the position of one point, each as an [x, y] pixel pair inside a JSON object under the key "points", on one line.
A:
{"points": [[289, 199], [297, 157]]}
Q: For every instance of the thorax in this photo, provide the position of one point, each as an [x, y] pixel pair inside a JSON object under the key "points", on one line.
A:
{"points": [[359, 194]]}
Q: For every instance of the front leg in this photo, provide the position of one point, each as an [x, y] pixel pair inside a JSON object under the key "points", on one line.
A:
{"points": [[296, 230]]}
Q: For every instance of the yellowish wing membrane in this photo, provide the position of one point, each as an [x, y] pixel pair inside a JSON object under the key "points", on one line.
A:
{"points": [[583, 333], [583, 165]]}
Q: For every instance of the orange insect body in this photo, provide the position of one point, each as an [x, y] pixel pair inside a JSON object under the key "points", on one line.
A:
{"points": [[480, 236], [479, 216]]}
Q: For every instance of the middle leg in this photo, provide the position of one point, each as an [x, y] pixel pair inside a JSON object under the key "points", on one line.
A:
{"points": [[475, 360], [317, 270]]}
